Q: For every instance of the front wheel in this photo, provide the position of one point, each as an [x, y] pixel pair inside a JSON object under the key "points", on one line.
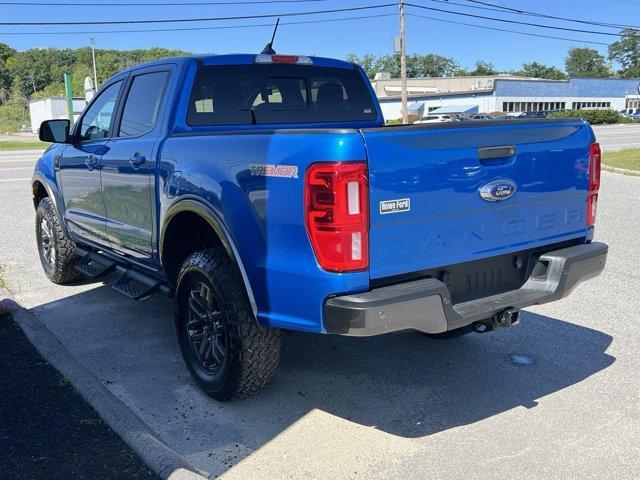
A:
{"points": [[226, 351], [56, 249]]}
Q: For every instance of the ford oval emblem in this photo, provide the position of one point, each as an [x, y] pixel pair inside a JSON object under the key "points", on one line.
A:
{"points": [[498, 190]]}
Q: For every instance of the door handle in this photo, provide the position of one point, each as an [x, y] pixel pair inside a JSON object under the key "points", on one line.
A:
{"points": [[137, 160], [91, 162], [501, 155], [491, 153]]}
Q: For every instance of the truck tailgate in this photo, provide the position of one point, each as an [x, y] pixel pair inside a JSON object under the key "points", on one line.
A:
{"points": [[425, 182]]}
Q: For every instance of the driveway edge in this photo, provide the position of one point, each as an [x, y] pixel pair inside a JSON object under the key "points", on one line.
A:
{"points": [[158, 456], [624, 171]]}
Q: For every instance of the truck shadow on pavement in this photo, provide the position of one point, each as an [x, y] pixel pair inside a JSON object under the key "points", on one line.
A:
{"points": [[404, 384]]}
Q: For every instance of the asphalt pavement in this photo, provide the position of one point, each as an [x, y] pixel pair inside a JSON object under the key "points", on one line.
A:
{"points": [[555, 397], [46, 429]]}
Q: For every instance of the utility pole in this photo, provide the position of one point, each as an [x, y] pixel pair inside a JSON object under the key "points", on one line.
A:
{"points": [[93, 55], [68, 91], [403, 64]]}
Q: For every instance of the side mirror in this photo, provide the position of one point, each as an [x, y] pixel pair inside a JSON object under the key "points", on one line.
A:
{"points": [[55, 131]]}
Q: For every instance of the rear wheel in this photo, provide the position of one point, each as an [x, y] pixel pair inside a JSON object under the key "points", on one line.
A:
{"points": [[56, 249], [226, 351]]}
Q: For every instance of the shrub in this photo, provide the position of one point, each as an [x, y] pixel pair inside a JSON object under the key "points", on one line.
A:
{"points": [[594, 117], [12, 117]]}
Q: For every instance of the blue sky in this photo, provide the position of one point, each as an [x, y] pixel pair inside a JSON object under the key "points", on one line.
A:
{"points": [[331, 39]]}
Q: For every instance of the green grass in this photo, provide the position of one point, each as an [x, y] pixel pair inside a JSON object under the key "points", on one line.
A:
{"points": [[629, 159], [6, 145]]}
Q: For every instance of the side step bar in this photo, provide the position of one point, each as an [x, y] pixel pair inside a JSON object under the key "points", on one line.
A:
{"points": [[94, 265], [136, 285], [132, 283]]}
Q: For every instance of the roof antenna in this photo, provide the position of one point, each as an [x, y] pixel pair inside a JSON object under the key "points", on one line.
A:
{"points": [[268, 49]]}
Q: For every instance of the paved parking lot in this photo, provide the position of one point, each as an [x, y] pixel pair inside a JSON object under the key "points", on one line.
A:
{"points": [[398, 406]]}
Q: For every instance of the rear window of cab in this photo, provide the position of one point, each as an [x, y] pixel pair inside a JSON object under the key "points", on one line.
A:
{"points": [[271, 94]]}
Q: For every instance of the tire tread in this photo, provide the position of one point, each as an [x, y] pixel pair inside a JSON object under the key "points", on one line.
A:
{"points": [[254, 349], [66, 257]]}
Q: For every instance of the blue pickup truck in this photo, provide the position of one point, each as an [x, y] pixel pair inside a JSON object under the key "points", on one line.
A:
{"points": [[265, 193]]}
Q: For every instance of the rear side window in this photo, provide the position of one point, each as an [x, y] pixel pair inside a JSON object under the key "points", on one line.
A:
{"points": [[265, 94], [143, 104]]}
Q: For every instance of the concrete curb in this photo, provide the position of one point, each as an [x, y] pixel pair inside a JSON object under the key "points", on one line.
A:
{"points": [[624, 171], [158, 456]]}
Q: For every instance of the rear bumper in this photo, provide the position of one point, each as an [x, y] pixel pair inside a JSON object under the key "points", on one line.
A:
{"points": [[425, 305]]}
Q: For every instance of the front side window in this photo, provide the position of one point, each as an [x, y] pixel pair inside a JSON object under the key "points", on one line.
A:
{"points": [[272, 94], [97, 120], [143, 104]]}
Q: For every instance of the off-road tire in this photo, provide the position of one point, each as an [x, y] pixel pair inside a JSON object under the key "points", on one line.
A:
{"points": [[252, 351], [61, 269]]}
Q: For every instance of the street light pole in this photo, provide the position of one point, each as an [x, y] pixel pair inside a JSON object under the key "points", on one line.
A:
{"points": [[403, 64], [93, 56]]}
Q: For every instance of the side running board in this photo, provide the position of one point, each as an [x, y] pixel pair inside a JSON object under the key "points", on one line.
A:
{"points": [[132, 283], [94, 265]]}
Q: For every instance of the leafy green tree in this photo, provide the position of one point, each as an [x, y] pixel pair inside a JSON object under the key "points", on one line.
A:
{"points": [[51, 90], [14, 113], [38, 73], [483, 68], [539, 70], [38, 67], [110, 62], [586, 62], [418, 66], [367, 61], [6, 53], [626, 52]]}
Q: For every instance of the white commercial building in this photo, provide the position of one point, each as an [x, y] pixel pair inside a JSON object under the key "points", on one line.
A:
{"points": [[53, 108], [513, 96]]}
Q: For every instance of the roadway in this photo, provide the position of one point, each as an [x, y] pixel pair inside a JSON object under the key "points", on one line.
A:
{"points": [[618, 137]]}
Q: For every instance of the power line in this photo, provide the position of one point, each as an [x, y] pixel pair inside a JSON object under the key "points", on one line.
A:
{"points": [[538, 14], [506, 30], [188, 29], [504, 20], [303, 22], [154, 4], [204, 19]]}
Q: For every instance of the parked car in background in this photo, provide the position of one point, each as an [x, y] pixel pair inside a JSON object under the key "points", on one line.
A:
{"points": [[264, 193], [25, 129], [629, 111], [479, 116], [438, 118], [533, 115]]}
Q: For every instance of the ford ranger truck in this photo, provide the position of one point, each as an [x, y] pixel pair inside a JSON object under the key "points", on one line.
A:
{"points": [[264, 193]]}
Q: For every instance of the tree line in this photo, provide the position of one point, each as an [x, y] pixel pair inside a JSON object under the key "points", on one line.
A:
{"points": [[38, 72], [580, 62]]}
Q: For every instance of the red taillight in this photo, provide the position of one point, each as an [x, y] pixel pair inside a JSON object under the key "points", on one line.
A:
{"points": [[292, 59], [284, 58], [337, 213], [594, 182]]}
